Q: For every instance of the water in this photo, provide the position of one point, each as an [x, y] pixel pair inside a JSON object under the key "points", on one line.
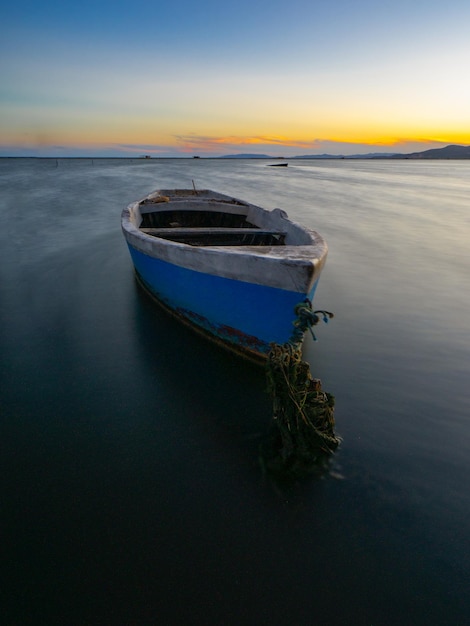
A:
{"points": [[131, 490]]}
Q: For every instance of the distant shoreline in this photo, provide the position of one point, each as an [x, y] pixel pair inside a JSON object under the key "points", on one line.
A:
{"points": [[448, 153]]}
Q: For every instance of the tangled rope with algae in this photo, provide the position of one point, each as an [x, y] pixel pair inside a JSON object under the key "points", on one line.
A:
{"points": [[303, 435]]}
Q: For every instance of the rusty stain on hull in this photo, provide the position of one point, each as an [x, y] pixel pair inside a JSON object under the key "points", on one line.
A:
{"points": [[245, 345]]}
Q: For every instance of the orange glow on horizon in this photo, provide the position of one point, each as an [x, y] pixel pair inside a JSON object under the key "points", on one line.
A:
{"points": [[140, 138]]}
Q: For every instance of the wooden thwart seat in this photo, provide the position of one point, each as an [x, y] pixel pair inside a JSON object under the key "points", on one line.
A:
{"points": [[184, 232], [218, 236]]}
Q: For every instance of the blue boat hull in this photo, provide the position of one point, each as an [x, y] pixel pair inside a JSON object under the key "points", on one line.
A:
{"points": [[246, 317]]}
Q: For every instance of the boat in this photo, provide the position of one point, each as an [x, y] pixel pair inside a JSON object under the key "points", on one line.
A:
{"points": [[232, 270]]}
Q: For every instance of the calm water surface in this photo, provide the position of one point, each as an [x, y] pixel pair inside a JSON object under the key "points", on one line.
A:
{"points": [[130, 486]]}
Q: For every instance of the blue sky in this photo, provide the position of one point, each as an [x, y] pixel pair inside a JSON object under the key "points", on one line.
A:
{"points": [[211, 78]]}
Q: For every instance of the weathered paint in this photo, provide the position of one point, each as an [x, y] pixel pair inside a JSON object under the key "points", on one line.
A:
{"points": [[243, 296], [295, 266], [248, 315]]}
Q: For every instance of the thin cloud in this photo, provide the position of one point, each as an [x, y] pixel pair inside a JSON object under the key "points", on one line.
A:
{"points": [[215, 146], [296, 147]]}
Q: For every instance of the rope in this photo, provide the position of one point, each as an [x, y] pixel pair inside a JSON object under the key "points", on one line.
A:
{"points": [[305, 319], [303, 436]]}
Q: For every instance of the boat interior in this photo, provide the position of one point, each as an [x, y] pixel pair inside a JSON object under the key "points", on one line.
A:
{"points": [[207, 228]]}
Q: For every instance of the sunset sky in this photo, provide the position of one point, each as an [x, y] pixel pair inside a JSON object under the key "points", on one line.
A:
{"points": [[208, 78]]}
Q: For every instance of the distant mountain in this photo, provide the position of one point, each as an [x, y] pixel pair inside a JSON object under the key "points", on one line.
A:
{"points": [[369, 155], [449, 152], [246, 156], [372, 155], [319, 156]]}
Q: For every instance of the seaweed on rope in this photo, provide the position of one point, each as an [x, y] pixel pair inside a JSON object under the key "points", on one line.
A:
{"points": [[303, 435]]}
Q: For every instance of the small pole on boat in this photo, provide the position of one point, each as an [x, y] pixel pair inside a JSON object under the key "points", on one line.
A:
{"points": [[194, 188]]}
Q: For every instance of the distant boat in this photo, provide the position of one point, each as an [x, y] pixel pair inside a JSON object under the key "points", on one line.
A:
{"points": [[278, 164], [232, 270]]}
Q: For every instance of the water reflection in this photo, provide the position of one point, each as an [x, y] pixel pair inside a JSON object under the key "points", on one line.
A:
{"points": [[130, 477], [203, 386], [208, 387]]}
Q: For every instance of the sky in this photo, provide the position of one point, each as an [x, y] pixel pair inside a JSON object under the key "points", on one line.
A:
{"points": [[210, 78]]}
